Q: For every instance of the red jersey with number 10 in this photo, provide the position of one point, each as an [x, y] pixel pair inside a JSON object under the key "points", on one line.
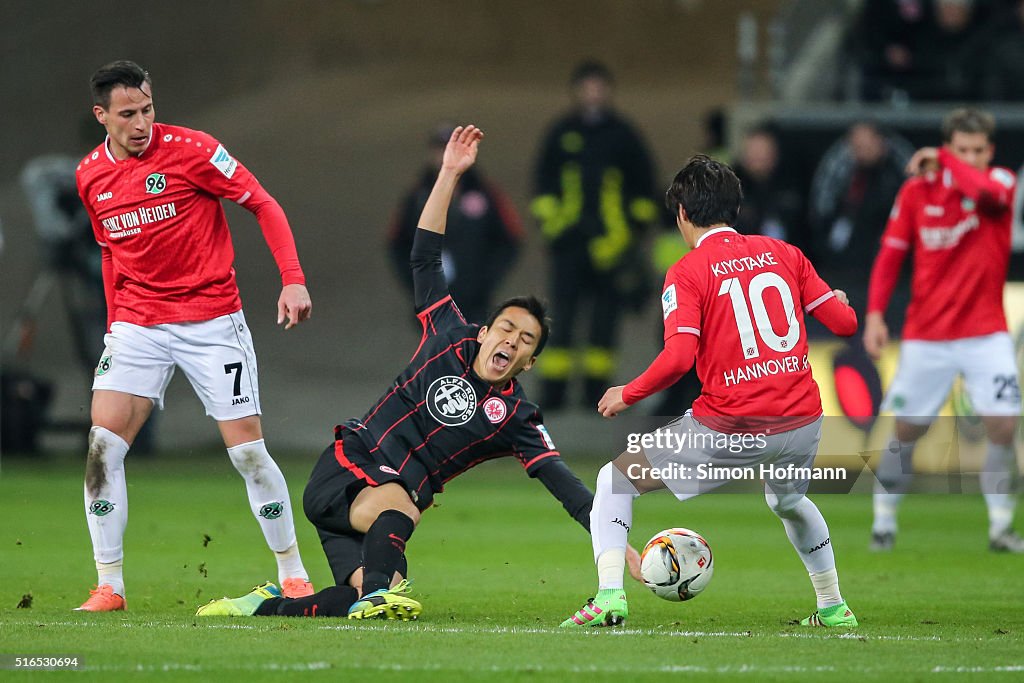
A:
{"points": [[744, 296], [159, 215]]}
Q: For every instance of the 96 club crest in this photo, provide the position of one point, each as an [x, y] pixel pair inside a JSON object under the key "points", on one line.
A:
{"points": [[451, 400]]}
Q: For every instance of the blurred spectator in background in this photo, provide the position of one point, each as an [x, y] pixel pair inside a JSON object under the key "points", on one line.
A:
{"points": [[889, 33], [484, 233], [772, 203], [594, 192], [714, 144], [69, 249], [851, 194], [949, 61], [927, 50], [1003, 66]]}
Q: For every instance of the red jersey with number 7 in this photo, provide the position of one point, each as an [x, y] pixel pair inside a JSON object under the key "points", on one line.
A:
{"points": [[167, 250], [744, 297]]}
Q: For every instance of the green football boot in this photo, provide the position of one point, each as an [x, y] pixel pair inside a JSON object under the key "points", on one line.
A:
{"points": [[386, 604], [244, 606], [830, 617], [607, 609]]}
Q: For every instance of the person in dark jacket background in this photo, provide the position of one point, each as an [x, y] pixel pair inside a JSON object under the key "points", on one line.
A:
{"points": [[594, 189], [485, 236]]}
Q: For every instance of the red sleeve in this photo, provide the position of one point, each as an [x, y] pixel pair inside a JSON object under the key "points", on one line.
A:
{"points": [[681, 301], [277, 234], [896, 242], [992, 189], [819, 300], [106, 259], [838, 317], [107, 269], [884, 275], [212, 169], [674, 361]]}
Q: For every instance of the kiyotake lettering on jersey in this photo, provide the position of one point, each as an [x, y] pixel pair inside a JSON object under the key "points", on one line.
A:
{"points": [[744, 263]]}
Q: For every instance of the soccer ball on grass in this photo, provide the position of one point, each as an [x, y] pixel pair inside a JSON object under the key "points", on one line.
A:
{"points": [[676, 564]]}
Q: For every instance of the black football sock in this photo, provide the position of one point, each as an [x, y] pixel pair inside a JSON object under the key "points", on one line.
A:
{"points": [[383, 548], [330, 602]]}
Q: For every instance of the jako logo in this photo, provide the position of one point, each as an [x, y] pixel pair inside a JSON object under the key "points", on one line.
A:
{"points": [[819, 546], [620, 523], [104, 196]]}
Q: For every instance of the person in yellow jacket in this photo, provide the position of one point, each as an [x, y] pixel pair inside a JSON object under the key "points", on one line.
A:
{"points": [[594, 189]]}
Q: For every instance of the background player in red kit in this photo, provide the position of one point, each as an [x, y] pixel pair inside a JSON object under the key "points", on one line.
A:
{"points": [[457, 404], [153, 194], [735, 303], [955, 217]]}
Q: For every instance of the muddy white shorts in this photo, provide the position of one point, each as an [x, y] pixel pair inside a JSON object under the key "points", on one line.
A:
{"points": [[927, 369], [216, 355]]}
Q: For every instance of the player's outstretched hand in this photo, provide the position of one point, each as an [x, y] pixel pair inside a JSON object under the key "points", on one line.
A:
{"points": [[294, 306], [924, 160], [841, 297], [633, 562], [611, 404], [876, 335], [460, 153]]}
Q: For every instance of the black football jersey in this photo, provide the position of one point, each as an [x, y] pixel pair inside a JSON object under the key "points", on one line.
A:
{"points": [[438, 419]]}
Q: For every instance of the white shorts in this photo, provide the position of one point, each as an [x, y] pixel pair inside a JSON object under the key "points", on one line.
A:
{"points": [[927, 369], [700, 459], [216, 355]]}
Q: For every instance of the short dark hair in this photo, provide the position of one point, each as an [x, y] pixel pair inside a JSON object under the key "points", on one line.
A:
{"points": [[591, 68], [968, 120], [122, 72], [708, 190], [534, 307]]}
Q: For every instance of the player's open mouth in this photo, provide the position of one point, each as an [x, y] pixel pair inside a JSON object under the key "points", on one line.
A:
{"points": [[139, 140], [500, 360]]}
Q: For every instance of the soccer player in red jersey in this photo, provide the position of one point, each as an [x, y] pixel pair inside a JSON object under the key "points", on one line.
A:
{"points": [[735, 304], [954, 216], [457, 404], [153, 193]]}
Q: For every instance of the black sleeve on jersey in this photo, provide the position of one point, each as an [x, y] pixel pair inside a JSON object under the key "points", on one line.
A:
{"points": [[429, 285], [564, 485]]}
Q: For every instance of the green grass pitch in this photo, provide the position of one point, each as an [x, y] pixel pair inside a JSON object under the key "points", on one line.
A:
{"points": [[498, 565]]}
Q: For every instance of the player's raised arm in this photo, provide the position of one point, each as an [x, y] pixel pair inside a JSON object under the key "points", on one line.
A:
{"points": [[459, 156], [429, 286]]}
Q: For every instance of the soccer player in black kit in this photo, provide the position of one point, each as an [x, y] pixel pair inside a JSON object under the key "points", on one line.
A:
{"points": [[454, 406]]}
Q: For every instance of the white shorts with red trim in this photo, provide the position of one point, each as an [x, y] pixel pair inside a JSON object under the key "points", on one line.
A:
{"points": [[216, 355]]}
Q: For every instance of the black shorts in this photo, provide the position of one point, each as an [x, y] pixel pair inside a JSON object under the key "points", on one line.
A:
{"points": [[344, 469]]}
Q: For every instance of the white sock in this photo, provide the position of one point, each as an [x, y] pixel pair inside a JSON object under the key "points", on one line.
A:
{"points": [[808, 532], [826, 588], [111, 574], [106, 504], [999, 480], [895, 472], [610, 519], [289, 564], [270, 503]]}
